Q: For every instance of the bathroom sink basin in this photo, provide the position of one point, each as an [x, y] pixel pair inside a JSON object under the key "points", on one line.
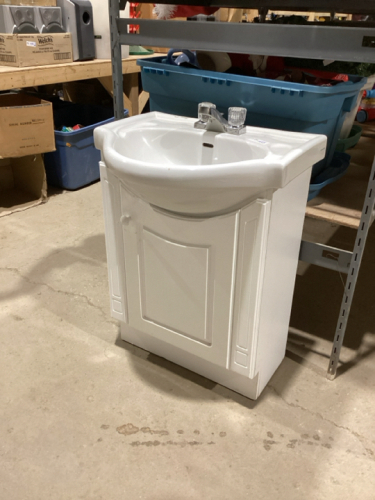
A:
{"points": [[168, 163]]}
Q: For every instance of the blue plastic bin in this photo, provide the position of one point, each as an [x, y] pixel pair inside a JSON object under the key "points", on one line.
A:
{"points": [[333, 173], [269, 103], [75, 163]]}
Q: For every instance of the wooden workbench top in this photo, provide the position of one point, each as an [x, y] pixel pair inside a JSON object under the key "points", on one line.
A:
{"points": [[11, 78]]}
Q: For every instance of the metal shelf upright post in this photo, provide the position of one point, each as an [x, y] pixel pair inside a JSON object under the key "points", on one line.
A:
{"points": [[118, 98]]}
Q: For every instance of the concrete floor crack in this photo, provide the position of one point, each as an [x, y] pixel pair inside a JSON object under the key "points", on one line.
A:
{"points": [[71, 294], [361, 439]]}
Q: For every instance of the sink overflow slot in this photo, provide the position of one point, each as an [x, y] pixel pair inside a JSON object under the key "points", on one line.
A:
{"points": [[207, 145]]}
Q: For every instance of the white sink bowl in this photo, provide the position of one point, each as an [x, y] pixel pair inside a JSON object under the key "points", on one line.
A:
{"points": [[168, 163]]}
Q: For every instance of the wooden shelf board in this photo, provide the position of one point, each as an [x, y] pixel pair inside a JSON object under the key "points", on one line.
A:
{"points": [[11, 78], [341, 202]]}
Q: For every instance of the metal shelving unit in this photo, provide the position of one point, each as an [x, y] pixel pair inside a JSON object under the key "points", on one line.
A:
{"points": [[319, 42], [345, 41]]}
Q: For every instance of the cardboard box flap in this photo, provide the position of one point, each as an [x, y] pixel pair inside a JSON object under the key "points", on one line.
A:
{"points": [[19, 100], [22, 183]]}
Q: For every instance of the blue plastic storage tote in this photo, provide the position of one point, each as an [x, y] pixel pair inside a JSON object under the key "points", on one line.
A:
{"points": [[75, 163], [337, 169], [269, 103]]}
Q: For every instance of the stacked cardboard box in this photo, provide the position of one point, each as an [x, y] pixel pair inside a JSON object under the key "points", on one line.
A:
{"points": [[35, 49], [26, 131]]}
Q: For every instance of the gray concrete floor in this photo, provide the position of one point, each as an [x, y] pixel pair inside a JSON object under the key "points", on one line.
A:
{"points": [[85, 416]]}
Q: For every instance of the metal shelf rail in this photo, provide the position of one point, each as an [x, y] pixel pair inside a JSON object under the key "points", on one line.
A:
{"points": [[344, 42]]}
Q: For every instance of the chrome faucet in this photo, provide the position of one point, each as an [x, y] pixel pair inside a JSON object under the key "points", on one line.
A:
{"points": [[211, 119]]}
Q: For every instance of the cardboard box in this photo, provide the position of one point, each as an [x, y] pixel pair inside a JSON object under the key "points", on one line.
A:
{"points": [[43, 3], [22, 183], [26, 126], [35, 49]]}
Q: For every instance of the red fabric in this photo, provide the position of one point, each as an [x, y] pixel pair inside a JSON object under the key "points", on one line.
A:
{"points": [[186, 11], [242, 62], [275, 65]]}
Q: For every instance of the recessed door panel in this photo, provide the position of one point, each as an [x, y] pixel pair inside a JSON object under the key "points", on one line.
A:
{"points": [[175, 285], [180, 277]]}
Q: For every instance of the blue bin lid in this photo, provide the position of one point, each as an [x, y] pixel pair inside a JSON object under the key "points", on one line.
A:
{"points": [[158, 64]]}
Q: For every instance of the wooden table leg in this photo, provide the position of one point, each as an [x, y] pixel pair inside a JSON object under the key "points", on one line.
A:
{"points": [[142, 100], [131, 89], [133, 102], [106, 81]]}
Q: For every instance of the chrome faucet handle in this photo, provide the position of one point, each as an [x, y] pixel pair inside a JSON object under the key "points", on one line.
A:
{"points": [[236, 116], [204, 111], [236, 120]]}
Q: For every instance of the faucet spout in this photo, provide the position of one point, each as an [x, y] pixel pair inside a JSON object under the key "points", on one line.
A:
{"points": [[210, 118]]}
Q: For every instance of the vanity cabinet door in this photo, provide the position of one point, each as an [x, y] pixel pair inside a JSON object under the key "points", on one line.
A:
{"points": [[180, 277]]}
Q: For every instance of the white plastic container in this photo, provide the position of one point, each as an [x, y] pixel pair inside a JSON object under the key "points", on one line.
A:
{"points": [[101, 30]]}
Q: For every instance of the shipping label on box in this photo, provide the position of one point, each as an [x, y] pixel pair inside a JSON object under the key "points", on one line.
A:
{"points": [[26, 126], [35, 49], [8, 50]]}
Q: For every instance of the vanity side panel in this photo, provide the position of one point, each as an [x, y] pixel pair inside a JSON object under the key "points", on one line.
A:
{"points": [[113, 238], [284, 240], [253, 233]]}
